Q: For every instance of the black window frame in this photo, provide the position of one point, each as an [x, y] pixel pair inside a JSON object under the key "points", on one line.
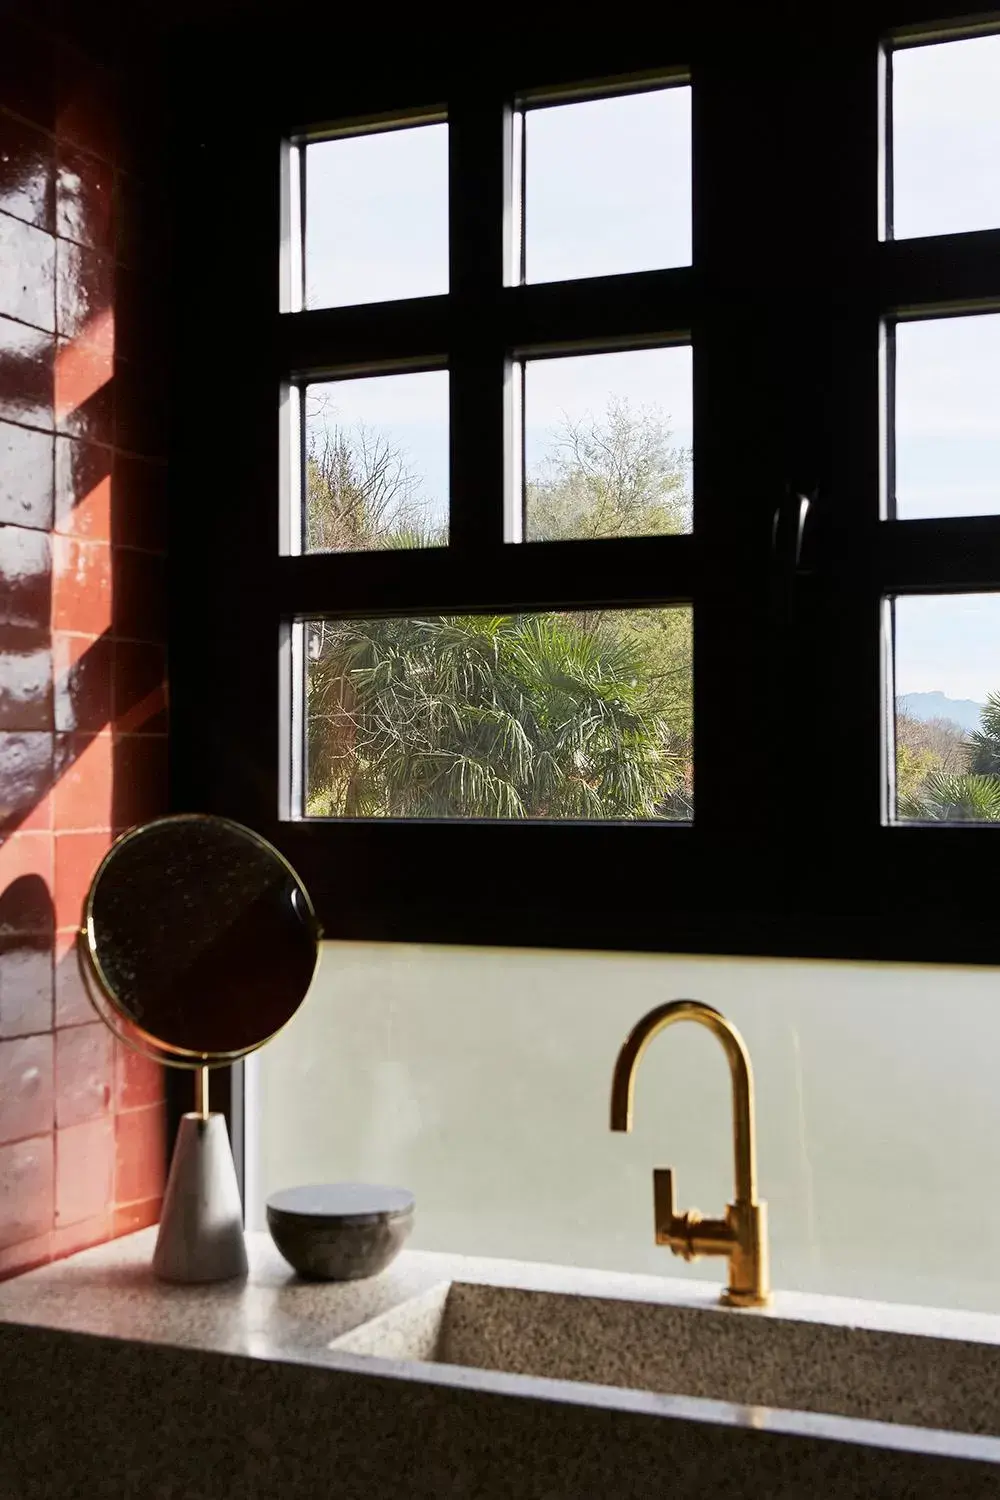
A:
{"points": [[785, 305]]}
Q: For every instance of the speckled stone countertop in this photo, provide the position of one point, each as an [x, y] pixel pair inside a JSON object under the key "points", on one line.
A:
{"points": [[111, 1290], [115, 1385]]}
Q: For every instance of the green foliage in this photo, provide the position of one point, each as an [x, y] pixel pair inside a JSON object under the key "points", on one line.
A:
{"points": [[585, 715], [515, 716], [942, 776], [616, 477], [949, 798], [936, 743], [927, 750], [913, 767], [664, 639], [984, 742]]}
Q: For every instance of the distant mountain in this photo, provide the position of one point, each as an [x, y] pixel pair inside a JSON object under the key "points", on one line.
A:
{"points": [[924, 706]]}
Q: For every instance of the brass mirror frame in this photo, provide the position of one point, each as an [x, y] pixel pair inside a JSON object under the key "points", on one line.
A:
{"points": [[95, 979]]}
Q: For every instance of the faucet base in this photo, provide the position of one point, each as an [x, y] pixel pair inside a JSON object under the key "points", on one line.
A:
{"points": [[729, 1298], [749, 1271]]}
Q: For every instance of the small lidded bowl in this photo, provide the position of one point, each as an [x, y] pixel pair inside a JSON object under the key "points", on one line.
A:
{"points": [[341, 1231]]}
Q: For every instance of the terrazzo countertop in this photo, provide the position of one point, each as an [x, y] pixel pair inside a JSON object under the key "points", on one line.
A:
{"points": [[115, 1385], [111, 1291]]}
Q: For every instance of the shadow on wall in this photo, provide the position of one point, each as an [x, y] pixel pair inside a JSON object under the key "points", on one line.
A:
{"points": [[82, 627]]}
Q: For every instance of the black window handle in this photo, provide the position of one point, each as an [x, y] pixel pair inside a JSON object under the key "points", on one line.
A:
{"points": [[789, 530]]}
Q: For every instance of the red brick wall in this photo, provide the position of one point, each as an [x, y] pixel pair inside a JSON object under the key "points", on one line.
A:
{"points": [[82, 605]]}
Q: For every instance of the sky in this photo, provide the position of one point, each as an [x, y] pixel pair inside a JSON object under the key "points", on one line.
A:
{"points": [[608, 190], [948, 415], [948, 643]]}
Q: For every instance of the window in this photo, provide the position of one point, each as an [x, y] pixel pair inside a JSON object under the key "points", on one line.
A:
{"points": [[947, 707], [945, 137], [582, 715], [374, 471], [607, 445], [946, 422], [510, 713], [376, 216], [618, 351], [606, 184], [943, 439]]}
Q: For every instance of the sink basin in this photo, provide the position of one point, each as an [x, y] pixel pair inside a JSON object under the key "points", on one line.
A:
{"points": [[757, 1359]]}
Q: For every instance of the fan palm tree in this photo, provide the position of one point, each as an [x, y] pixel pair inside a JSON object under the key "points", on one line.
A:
{"points": [[504, 716], [984, 742], [949, 798]]}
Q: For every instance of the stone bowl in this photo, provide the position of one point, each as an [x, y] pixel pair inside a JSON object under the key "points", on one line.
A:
{"points": [[341, 1231]]}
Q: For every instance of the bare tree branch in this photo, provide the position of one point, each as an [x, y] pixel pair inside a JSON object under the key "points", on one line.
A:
{"points": [[617, 476]]}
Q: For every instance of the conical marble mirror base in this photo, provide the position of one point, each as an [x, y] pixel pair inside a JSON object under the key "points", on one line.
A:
{"points": [[201, 1228]]}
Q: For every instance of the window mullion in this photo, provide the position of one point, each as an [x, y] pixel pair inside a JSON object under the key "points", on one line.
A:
{"points": [[737, 468], [480, 192], [832, 394]]}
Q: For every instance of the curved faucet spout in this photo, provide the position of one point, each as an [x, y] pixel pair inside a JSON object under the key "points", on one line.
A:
{"points": [[742, 1234], [627, 1064]]}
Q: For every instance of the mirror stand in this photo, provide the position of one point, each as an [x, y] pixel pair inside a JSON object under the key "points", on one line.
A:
{"points": [[198, 943], [201, 1223]]}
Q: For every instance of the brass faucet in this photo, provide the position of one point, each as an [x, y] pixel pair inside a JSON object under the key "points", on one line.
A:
{"points": [[742, 1234]]}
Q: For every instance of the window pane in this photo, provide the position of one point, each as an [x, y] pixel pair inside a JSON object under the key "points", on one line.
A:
{"points": [[946, 137], [453, 1073], [947, 426], [515, 716], [376, 463], [608, 186], [947, 683], [377, 217], [607, 444]]}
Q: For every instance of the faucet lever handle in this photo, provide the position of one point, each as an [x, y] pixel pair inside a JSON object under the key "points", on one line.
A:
{"points": [[664, 1216]]}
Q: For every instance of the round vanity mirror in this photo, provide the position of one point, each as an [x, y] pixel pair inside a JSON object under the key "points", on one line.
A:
{"points": [[199, 942]]}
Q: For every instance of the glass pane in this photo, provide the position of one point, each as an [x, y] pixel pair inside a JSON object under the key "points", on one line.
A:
{"points": [[480, 1076], [608, 186], [506, 716], [946, 137], [376, 463], [377, 217], [947, 682], [607, 444], [947, 425]]}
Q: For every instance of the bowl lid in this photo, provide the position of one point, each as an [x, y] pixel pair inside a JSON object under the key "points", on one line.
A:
{"points": [[340, 1200]]}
